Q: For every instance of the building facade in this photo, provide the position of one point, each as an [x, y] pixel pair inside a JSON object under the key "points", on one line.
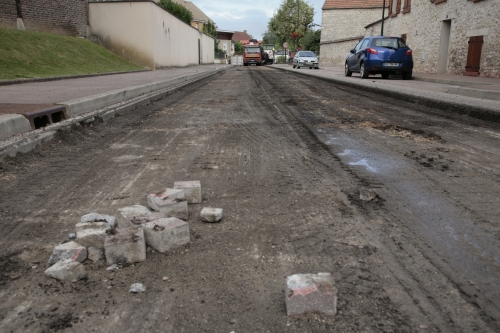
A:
{"points": [[343, 25], [199, 17], [65, 17], [447, 36]]}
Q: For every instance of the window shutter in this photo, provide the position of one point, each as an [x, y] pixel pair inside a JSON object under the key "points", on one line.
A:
{"points": [[390, 7], [474, 55], [407, 7], [398, 7]]}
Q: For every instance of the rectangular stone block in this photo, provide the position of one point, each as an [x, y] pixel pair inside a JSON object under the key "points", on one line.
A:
{"points": [[156, 200], [126, 215], [125, 246], [311, 293], [70, 250], [166, 234], [95, 217], [66, 270], [92, 234], [162, 203], [192, 190], [209, 214]]}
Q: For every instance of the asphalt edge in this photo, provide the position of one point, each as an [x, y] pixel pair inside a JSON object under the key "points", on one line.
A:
{"points": [[24, 142], [478, 112]]}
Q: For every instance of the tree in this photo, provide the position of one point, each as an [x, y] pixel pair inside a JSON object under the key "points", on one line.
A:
{"points": [[311, 41], [210, 29], [238, 47], [179, 11], [269, 38], [293, 17]]}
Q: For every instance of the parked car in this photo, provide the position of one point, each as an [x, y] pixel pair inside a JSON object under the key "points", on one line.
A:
{"points": [[380, 55], [305, 59], [280, 53]]}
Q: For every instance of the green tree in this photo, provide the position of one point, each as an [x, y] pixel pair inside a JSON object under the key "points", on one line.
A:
{"points": [[179, 11], [292, 20], [269, 38], [238, 47], [311, 41], [210, 29]]}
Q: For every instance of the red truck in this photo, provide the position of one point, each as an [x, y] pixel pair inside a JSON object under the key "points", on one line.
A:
{"points": [[253, 53]]}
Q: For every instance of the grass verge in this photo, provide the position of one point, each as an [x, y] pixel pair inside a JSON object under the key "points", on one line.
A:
{"points": [[28, 54]]}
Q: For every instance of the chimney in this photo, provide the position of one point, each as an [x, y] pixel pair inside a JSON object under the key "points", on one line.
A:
{"points": [[244, 31]]}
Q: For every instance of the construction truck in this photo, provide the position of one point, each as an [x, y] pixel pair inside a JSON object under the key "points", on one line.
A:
{"points": [[253, 54]]}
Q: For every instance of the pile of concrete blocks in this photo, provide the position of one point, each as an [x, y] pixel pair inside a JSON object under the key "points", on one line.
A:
{"points": [[122, 240]]}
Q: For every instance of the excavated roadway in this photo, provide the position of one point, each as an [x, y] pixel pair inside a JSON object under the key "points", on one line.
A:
{"points": [[285, 156]]}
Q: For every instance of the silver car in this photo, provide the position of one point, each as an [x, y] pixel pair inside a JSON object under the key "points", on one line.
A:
{"points": [[305, 59]]}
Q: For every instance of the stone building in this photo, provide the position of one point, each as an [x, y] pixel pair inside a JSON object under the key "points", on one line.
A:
{"points": [[343, 25], [226, 43], [447, 36], [66, 17]]}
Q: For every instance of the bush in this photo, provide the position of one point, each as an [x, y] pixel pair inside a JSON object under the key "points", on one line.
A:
{"points": [[179, 11]]}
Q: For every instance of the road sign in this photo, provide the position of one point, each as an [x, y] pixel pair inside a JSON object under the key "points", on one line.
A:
{"points": [[285, 45]]}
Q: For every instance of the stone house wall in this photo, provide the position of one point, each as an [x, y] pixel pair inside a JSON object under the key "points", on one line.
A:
{"points": [[341, 30], [66, 17], [423, 26]]}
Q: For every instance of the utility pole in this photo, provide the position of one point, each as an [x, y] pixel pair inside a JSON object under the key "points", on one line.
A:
{"points": [[383, 15]]}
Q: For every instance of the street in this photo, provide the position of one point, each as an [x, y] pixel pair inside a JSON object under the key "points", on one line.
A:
{"points": [[286, 157]]}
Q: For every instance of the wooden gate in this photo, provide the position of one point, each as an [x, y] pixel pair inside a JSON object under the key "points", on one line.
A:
{"points": [[474, 56]]}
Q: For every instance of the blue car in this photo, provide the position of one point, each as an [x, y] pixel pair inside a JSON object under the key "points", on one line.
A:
{"points": [[380, 55]]}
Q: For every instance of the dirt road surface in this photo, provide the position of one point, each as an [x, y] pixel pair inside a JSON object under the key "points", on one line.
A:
{"points": [[285, 157]]}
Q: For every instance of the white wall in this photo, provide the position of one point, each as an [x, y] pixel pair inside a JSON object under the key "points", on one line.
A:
{"points": [[147, 35]]}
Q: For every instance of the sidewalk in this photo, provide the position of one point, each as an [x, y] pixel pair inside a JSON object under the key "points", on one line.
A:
{"points": [[26, 108]]}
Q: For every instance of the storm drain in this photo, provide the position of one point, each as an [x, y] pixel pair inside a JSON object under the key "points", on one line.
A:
{"points": [[42, 118]]}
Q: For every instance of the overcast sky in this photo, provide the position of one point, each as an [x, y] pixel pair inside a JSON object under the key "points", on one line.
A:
{"points": [[249, 15]]}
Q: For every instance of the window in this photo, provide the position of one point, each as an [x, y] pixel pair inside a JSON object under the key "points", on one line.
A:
{"points": [[394, 7], [403, 37], [225, 46], [407, 7]]}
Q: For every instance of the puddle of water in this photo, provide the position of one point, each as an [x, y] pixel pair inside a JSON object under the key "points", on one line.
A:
{"points": [[364, 162]]}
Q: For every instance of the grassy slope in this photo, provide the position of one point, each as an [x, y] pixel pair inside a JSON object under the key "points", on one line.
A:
{"points": [[27, 54]]}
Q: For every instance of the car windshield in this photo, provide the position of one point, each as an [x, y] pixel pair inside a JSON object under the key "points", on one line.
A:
{"points": [[307, 54], [252, 50], [390, 43]]}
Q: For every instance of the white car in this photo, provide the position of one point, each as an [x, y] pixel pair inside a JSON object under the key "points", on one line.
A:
{"points": [[305, 59]]}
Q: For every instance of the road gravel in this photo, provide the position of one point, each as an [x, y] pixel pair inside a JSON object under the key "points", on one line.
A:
{"points": [[285, 157]]}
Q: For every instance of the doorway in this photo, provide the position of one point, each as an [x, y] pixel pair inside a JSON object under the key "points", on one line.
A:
{"points": [[444, 47], [474, 56]]}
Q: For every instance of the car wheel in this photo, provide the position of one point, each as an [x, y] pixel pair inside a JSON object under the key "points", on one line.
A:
{"points": [[316, 67], [347, 71], [363, 73], [294, 65], [298, 67], [310, 68], [385, 75], [407, 75]]}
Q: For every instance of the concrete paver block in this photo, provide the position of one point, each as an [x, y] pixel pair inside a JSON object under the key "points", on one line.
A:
{"points": [[162, 202], [67, 270], [308, 293], [70, 250], [165, 234], [140, 220], [125, 215], [125, 246], [192, 190], [209, 214], [95, 217], [92, 234]]}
